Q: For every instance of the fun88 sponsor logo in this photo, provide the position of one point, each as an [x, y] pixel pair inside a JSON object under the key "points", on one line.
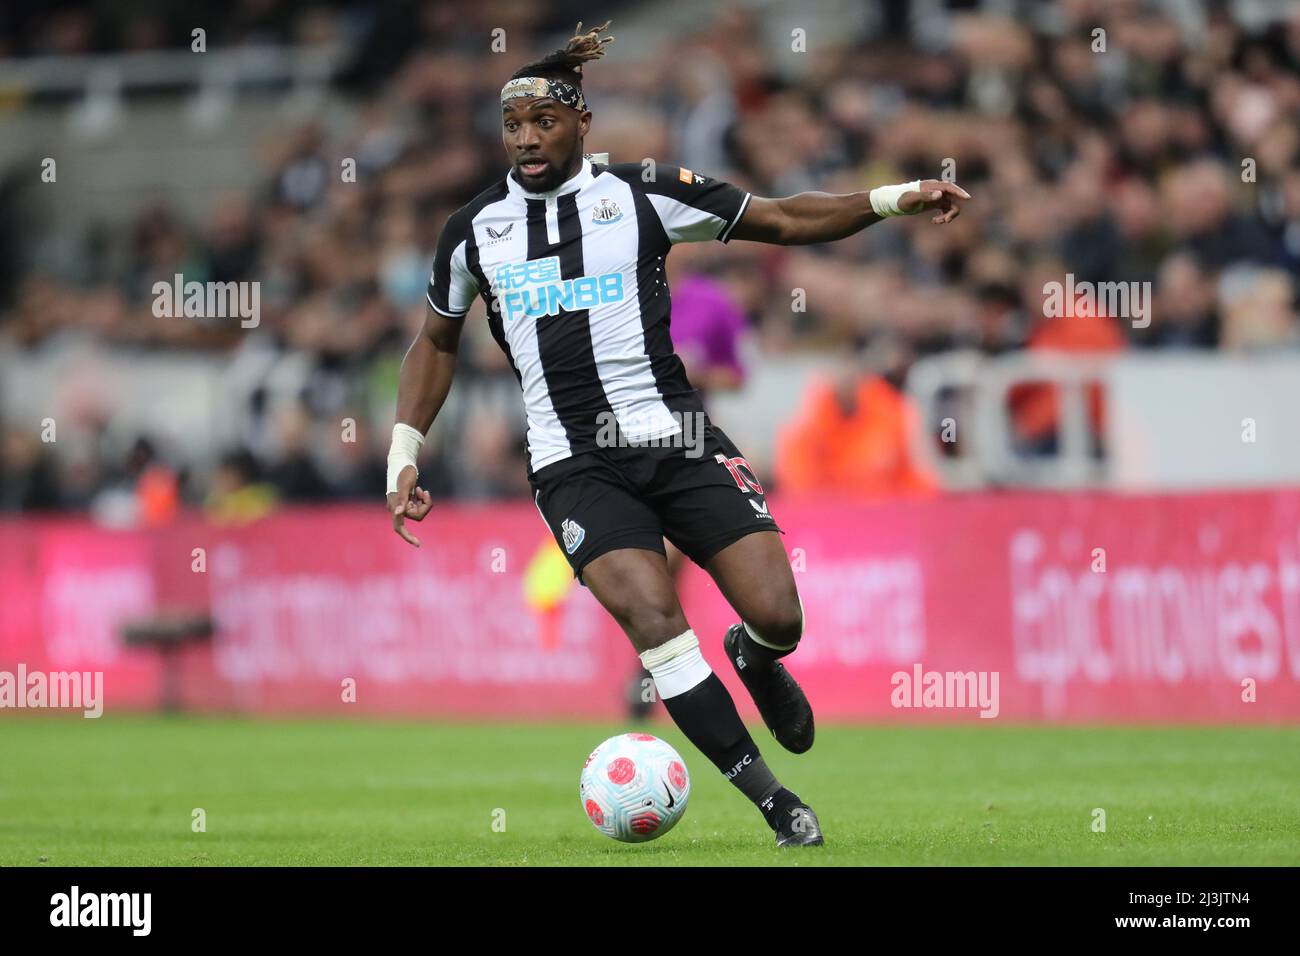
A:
{"points": [[529, 290]]}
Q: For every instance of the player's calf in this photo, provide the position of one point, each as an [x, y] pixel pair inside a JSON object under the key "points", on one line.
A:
{"points": [[780, 700]]}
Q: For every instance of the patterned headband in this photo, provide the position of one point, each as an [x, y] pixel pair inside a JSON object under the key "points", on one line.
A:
{"points": [[532, 86]]}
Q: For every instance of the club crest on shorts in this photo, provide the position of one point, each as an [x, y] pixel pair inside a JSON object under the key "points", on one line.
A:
{"points": [[573, 534], [605, 212]]}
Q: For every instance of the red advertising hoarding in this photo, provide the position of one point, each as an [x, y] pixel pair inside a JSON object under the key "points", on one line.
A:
{"points": [[1086, 607]]}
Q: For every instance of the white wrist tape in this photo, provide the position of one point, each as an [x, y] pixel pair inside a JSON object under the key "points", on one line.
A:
{"points": [[406, 445], [884, 199]]}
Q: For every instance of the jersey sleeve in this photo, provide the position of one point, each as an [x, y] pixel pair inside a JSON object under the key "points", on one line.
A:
{"points": [[452, 286], [694, 208]]}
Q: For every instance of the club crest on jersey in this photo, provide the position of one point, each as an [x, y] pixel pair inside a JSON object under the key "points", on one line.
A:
{"points": [[573, 534], [605, 212], [535, 288]]}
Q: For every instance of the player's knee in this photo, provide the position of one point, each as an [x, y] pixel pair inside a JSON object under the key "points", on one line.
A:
{"points": [[778, 624], [649, 620], [652, 625], [638, 593]]}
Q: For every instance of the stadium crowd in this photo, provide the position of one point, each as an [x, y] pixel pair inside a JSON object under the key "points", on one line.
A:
{"points": [[1164, 150]]}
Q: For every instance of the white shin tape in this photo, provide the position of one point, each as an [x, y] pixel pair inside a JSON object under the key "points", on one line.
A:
{"points": [[677, 665]]}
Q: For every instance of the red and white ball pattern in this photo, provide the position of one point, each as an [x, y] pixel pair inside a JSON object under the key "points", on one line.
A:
{"points": [[634, 787]]}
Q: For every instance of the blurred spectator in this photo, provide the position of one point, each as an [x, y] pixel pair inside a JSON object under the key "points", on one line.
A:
{"points": [[1184, 312], [237, 495], [853, 434], [293, 471], [27, 477], [233, 241], [1085, 330], [1201, 216], [1257, 311], [707, 327], [146, 491]]}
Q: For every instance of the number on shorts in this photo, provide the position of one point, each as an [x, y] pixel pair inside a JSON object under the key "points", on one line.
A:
{"points": [[743, 478]]}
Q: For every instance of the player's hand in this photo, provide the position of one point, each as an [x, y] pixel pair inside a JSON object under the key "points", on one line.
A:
{"points": [[934, 194], [408, 501]]}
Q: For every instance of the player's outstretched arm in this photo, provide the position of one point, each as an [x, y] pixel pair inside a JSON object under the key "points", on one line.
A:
{"points": [[824, 217], [422, 387]]}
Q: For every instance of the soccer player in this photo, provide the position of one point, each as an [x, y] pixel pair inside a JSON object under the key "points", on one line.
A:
{"points": [[568, 256]]}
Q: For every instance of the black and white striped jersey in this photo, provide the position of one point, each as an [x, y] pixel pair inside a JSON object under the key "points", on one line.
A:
{"points": [[573, 281]]}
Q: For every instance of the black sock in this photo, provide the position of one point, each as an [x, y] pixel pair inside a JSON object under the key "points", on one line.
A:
{"points": [[756, 652], [777, 804], [707, 716]]}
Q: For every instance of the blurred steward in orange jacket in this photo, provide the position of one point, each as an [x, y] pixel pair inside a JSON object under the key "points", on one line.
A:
{"points": [[1035, 407], [853, 432]]}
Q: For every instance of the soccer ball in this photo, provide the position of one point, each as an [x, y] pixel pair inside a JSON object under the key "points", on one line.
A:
{"points": [[634, 787]]}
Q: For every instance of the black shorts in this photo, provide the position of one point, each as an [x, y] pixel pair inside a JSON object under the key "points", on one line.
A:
{"points": [[701, 499]]}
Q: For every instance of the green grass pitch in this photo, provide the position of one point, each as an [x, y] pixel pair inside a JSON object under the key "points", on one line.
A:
{"points": [[122, 790]]}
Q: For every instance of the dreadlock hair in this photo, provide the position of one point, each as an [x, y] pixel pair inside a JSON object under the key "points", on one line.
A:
{"points": [[566, 62]]}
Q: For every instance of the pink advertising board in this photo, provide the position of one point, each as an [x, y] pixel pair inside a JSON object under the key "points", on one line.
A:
{"points": [[1085, 607]]}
